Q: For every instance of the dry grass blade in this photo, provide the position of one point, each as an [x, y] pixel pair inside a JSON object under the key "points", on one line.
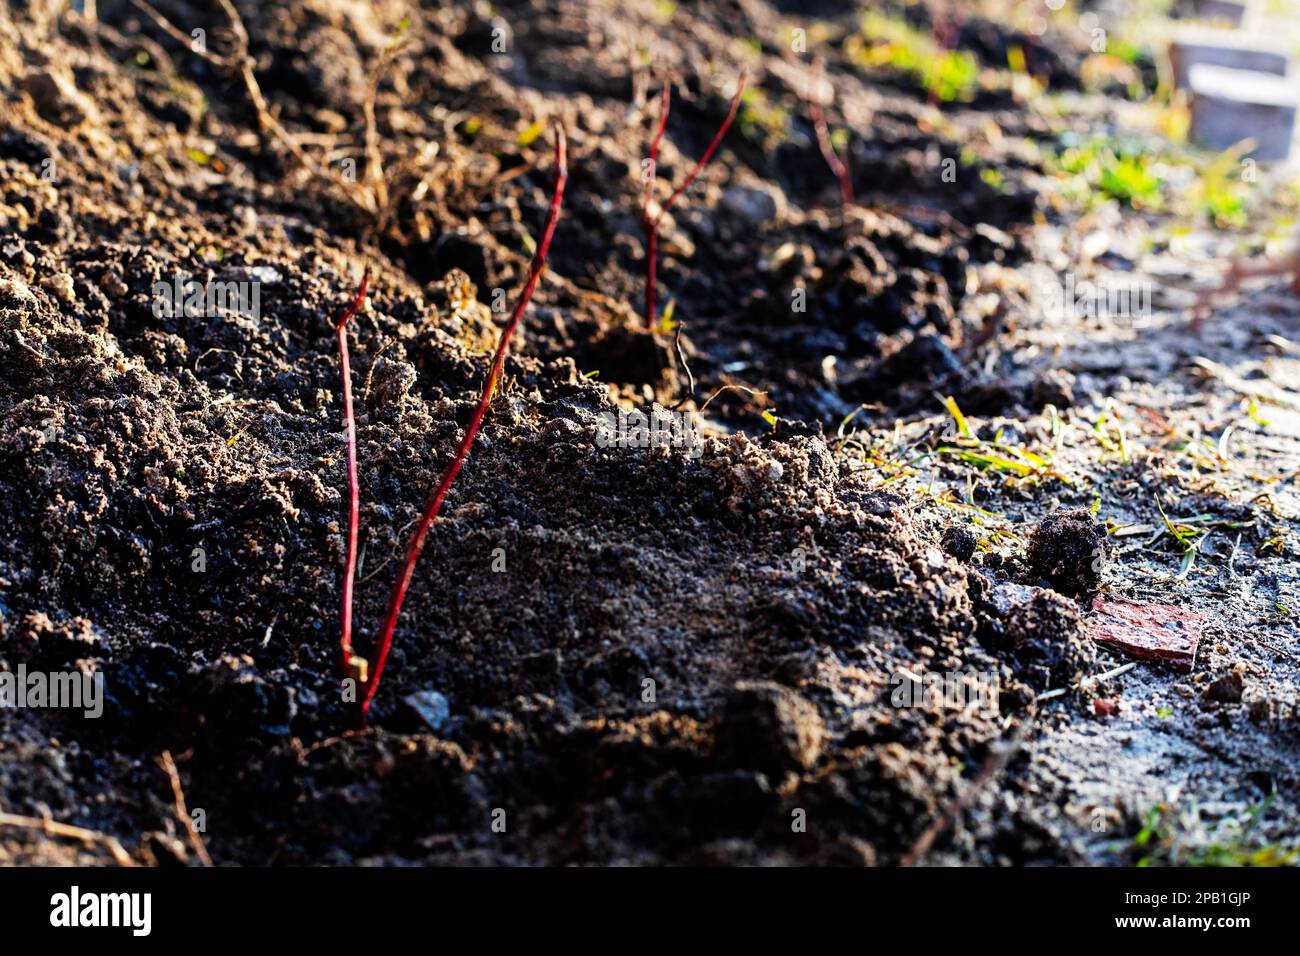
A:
{"points": [[168, 766], [241, 62], [54, 828]]}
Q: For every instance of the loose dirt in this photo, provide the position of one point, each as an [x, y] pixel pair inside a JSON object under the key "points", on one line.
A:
{"points": [[609, 654]]}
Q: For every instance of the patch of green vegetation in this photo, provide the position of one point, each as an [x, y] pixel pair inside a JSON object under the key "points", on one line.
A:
{"points": [[1132, 180], [1171, 838], [1104, 167], [1111, 430], [1219, 192], [530, 134], [948, 75], [1015, 461], [1191, 533], [992, 177], [1110, 167], [1253, 412], [1125, 50], [760, 118], [1136, 174]]}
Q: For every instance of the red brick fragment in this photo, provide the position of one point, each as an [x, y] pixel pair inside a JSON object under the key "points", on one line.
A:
{"points": [[1105, 708], [1153, 632]]}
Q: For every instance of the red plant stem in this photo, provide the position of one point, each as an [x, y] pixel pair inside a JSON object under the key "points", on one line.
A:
{"points": [[651, 224], [708, 153], [354, 498], [651, 272], [837, 165], [654, 152], [416, 543]]}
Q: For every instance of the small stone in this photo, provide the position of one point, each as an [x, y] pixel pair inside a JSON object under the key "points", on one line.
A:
{"points": [[265, 275], [789, 260], [764, 726], [14, 293], [1008, 595], [755, 206], [1101, 707], [430, 706], [60, 286], [783, 256]]}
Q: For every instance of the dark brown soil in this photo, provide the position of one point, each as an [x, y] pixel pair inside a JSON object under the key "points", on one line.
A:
{"points": [[607, 655]]}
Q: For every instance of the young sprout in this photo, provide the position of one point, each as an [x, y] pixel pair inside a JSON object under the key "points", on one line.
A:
{"points": [[838, 164], [650, 223], [416, 542]]}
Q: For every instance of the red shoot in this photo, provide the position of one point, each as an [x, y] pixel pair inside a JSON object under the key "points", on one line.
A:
{"points": [[416, 543], [354, 500], [650, 224], [839, 166]]}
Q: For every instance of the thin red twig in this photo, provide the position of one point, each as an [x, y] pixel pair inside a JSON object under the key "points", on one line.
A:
{"points": [[838, 166], [651, 232], [654, 151], [651, 223], [416, 543], [354, 497]]}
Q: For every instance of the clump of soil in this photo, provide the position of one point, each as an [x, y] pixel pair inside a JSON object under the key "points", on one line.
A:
{"points": [[1227, 688], [1067, 550], [769, 727], [645, 655], [1045, 636], [959, 542]]}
